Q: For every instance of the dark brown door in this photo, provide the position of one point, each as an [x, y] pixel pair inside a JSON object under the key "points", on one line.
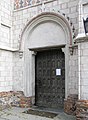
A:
{"points": [[50, 78]]}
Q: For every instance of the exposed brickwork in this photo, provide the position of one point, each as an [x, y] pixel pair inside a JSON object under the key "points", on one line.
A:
{"points": [[70, 104], [82, 110], [11, 98]]}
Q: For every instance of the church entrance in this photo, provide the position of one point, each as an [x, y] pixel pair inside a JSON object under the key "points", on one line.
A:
{"points": [[50, 78]]}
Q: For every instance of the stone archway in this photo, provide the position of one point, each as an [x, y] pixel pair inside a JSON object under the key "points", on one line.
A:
{"points": [[46, 31]]}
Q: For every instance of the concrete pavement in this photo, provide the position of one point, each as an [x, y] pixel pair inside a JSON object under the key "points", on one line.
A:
{"points": [[16, 113]]}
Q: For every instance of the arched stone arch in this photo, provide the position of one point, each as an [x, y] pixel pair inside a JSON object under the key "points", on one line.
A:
{"points": [[43, 17], [38, 35]]}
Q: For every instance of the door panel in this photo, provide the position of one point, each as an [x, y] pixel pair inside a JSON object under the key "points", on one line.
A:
{"points": [[49, 87]]}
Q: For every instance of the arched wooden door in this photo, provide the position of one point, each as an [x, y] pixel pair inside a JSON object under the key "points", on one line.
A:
{"points": [[50, 78]]}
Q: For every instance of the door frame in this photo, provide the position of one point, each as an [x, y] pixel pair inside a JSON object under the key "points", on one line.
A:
{"points": [[34, 53], [48, 49], [29, 53]]}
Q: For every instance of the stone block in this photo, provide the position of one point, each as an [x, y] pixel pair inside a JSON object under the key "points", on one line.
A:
{"points": [[55, 3], [73, 3], [84, 45], [73, 9], [49, 5], [85, 52], [65, 10], [73, 15], [64, 6], [85, 9], [63, 1]]}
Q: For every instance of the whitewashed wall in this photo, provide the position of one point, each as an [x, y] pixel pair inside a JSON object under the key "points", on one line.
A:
{"points": [[73, 73], [83, 48], [6, 63], [21, 18], [82, 40], [23, 15], [12, 23], [6, 57]]}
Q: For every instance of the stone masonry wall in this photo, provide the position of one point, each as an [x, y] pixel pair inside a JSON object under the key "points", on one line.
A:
{"points": [[83, 57], [6, 8], [18, 72], [83, 14], [6, 63], [6, 57], [73, 72], [25, 14], [82, 104], [22, 16]]}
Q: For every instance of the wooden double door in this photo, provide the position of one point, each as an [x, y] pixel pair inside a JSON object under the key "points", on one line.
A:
{"points": [[50, 78]]}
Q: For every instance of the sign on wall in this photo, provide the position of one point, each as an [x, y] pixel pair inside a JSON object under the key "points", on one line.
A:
{"points": [[58, 72]]}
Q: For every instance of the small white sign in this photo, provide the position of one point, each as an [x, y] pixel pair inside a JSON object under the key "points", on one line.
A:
{"points": [[58, 71]]}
